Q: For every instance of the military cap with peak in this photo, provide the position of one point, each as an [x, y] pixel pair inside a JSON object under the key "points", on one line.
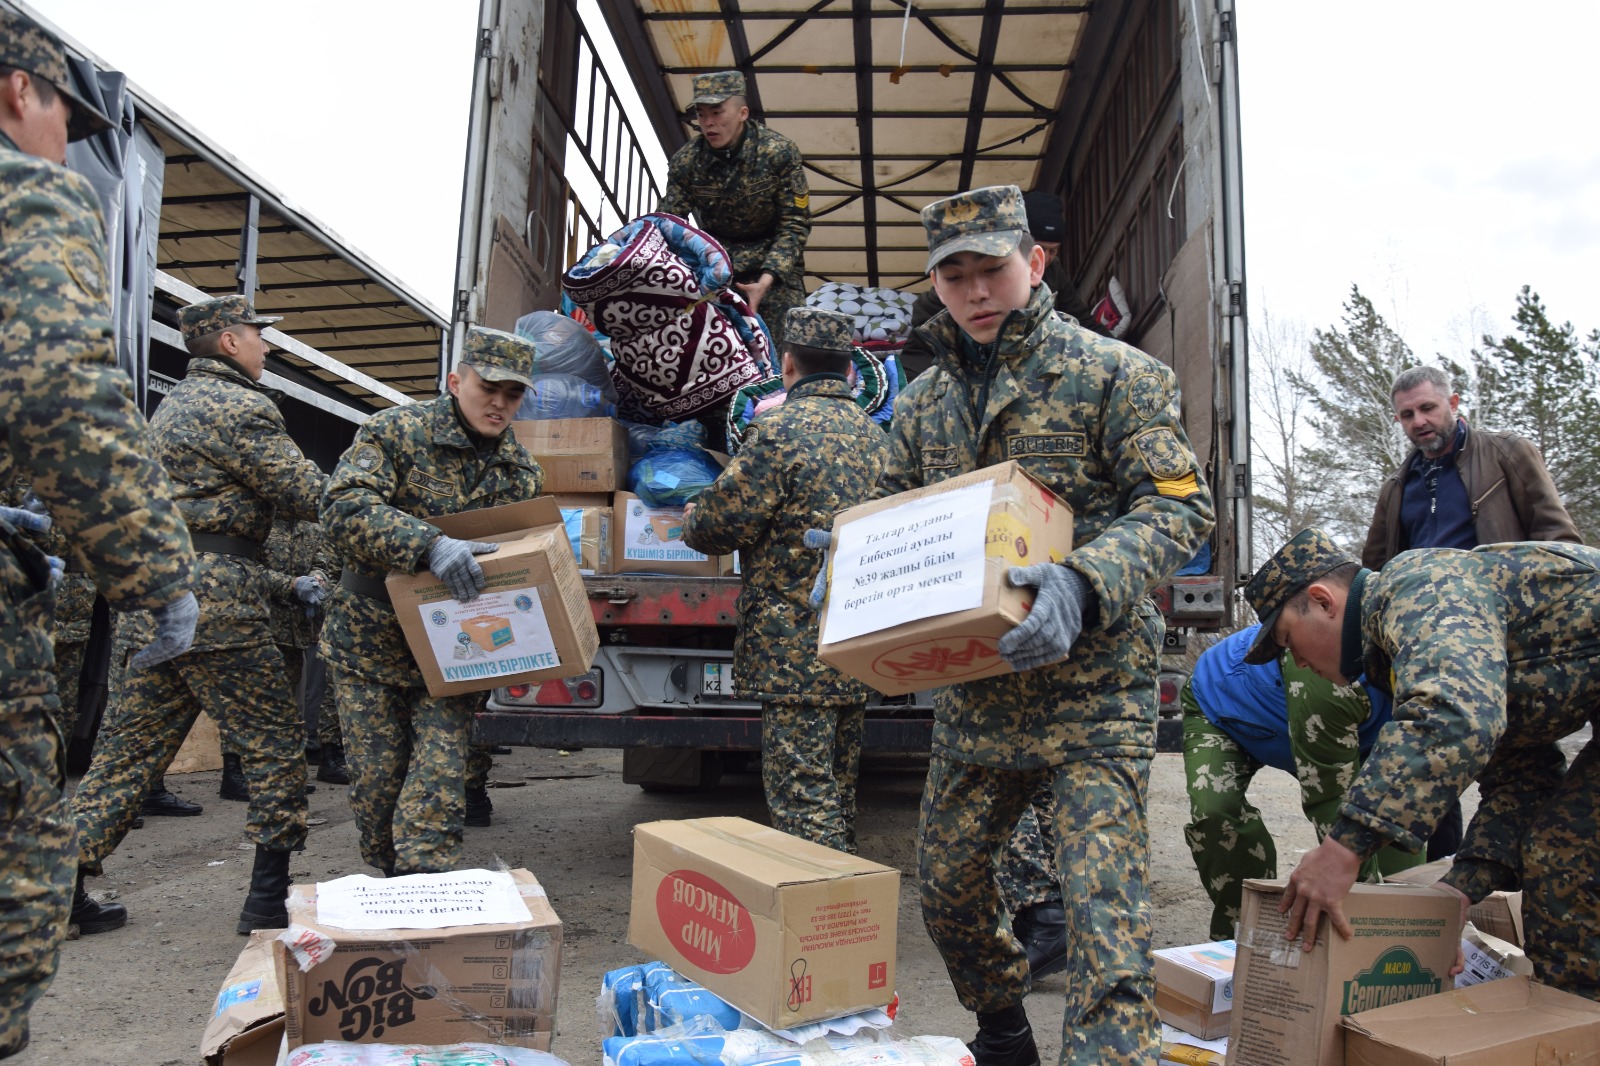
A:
{"points": [[989, 221], [26, 46], [715, 88], [1310, 555], [499, 356], [209, 316], [812, 327]]}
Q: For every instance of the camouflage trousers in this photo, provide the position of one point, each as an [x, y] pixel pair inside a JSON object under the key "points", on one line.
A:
{"points": [[1561, 878], [1103, 852], [479, 762], [407, 756], [1225, 834], [1027, 874], [810, 762], [244, 692], [69, 671], [321, 710]]}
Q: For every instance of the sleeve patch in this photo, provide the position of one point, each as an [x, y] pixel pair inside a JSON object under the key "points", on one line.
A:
{"points": [[1179, 489], [1148, 396], [84, 266], [803, 201], [1163, 456], [367, 457]]}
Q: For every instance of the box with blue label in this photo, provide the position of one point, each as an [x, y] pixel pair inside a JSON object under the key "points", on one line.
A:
{"points": [[1194, 988], [649, 540], [587, 518], [246, 1024]]}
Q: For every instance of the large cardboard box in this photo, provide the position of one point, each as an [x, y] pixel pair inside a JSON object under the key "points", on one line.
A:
{"points": [[577, 454], [532, 621], [201, 750], [587, 518], [1194, 988], [650, 541], [1288, 1002], [786, 930], [246, 1024], [898, 563], [1515, 1022], [1499, 913], [491, 983]]}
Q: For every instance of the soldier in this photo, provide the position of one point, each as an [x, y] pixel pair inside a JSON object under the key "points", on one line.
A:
{"points": [[223, 442], [747, 188], [1238, 718], [1492, 656], [811, 456], [73, 433], [407, 750], [1098, 423]]}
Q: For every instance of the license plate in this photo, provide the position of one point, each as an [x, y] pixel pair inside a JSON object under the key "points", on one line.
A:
{"points": [[717, 679]]}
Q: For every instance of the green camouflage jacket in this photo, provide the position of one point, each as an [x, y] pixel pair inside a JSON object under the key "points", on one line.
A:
{"points": [[407, 465], [1493, 655], [752, 197], [67, 415], [234, 468], [1098, 422], [294, 549], [813, 455]]}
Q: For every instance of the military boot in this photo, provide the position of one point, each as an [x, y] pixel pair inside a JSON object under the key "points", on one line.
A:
{"points": [[233, 785], [269, 888], [1042, 928], [480, 810], [332, 769], [1004, 1039], [161, 801], [91, 917]]}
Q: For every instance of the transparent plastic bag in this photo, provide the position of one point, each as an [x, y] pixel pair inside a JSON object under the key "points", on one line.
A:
{"points": [[564, 396], [671, 477], [563, 346]]}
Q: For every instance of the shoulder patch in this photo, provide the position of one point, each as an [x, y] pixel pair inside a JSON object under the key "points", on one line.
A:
{"points": [[368, 457], [803, 202], [1163, 456], [84, 266], [1148, 395]]}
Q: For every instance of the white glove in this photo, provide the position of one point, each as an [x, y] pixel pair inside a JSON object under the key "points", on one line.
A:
{"points": [[1053, 625], [452, 562]]}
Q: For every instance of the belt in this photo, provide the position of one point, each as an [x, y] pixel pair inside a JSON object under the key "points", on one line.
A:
{"points": [[372, 588], [217, 544]]}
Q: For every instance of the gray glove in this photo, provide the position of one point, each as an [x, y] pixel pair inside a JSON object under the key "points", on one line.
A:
{"points": [[310, 590], [820, 540], [175, 624], [452, 562], [1052, 627], [29, 519]]}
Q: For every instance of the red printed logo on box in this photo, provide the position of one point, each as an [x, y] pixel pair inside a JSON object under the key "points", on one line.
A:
{"points": [[877, 975], [946, 658], [703, 920]]}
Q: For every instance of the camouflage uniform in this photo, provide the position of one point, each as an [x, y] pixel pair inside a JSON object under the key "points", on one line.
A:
{"points": [[406, 750], [73, 433], [752, 197], [1098, 423], [813, 455], [1027, 872], [223, 441]]}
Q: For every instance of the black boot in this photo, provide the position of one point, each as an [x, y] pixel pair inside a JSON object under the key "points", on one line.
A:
{"points": [[332, 768], [1004, 1039], [233, 783], [1042, 928], [480, 810], [269, 888], [91, 917], [160, 801]]}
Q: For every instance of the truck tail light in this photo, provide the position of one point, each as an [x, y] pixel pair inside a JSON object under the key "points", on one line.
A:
{"points": [[553, 694], [585, 690], [1171, 685]]}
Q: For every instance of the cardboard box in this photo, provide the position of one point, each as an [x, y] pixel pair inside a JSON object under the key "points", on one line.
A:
{"points": [[587, 518], [1289, 1002], [1194, 988], [246, 1024], [1499, 914], [577, 454], [649, 540], [532, 621], [1026, 524], [491, 983], [1515, 1022], [786, 930], [1488, 958], [201, 750]]}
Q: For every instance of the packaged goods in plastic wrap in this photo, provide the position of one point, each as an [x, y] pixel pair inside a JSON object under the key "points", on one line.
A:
{"points": [[703, 1046], [878, 314], [672, 477], [1194, 988], [564, 346], [334, 1054], [563, 396]]}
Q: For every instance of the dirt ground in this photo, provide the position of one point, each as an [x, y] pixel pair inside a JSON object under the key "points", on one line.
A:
{"points": [[140, 996]]}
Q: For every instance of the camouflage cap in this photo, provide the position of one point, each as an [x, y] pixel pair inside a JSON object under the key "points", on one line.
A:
{"points": [[208, 316], [26, 46], [499, 356], [989, 221], [1310, 555], [812, 327], [715, 88]]}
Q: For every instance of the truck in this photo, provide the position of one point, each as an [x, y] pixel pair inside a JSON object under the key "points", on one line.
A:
{"points": [[1126, 108]]}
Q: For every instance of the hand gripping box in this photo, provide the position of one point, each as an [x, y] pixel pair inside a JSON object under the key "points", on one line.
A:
{"points": [[1288, 1002], [917, 593], [532, 621], [1514, 1022], [493, 984], [786, 930], [577, 454], [1194, 988]]}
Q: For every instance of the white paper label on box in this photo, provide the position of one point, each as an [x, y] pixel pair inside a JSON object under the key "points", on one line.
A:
{"points": [[655, 534], [918, 560], [500, 633], [421, 901]]}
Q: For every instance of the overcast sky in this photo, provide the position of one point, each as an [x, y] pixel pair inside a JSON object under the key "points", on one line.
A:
{"points": [[1438, 154]]}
